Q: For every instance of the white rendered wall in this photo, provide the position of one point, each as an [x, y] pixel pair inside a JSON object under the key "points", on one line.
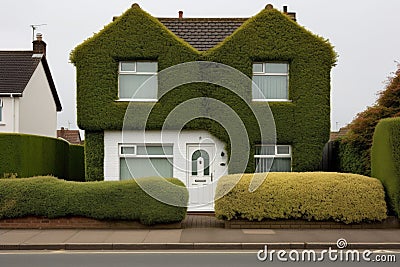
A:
{"points": [[9, 122], [179, 140], [38, 111]]}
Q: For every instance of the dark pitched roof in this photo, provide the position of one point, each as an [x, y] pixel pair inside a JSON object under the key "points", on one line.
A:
{"points": [[72, 136], [17, 68], [202, 33]]}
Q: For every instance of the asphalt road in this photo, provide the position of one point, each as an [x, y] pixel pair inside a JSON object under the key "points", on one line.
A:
{"points": [[164, 259]]}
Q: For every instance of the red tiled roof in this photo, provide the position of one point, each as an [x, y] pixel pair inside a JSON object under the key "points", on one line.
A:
{"points": [[72, 136], [342, 132]]}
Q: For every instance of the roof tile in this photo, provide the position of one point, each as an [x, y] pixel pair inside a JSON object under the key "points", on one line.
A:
{"points": [[203, 33], [16, 69]]}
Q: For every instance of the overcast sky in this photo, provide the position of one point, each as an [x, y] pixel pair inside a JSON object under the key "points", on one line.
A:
{"points": [[365, 34]]}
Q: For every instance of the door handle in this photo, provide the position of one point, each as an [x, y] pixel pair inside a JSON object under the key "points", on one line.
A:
{"points": [[212, 176]]}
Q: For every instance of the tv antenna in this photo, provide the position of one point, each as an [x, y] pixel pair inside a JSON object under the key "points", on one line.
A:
{"points": [[34, 28]]}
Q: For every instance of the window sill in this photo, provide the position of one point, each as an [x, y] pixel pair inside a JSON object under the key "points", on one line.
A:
{"points": [[136, 100], [272, 100]]}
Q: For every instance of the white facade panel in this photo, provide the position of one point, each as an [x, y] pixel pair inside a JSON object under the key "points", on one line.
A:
{"points": [[180, 141], [9, 117], [38, 111]]}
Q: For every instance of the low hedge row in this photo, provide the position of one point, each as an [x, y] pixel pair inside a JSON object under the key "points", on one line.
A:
{"points": [[347, 198], [25, 155], [52, 198], [385, 160]]}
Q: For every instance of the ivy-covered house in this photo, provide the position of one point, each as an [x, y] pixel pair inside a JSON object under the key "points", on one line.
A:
{"points": [[119, 83]]}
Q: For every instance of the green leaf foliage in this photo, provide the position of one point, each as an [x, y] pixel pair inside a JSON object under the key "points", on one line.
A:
{"points": [[53, 198], [76, 163], [347, 198], [31, 155], [385, 157], [94, 156], [355, 147], [303, 123]]}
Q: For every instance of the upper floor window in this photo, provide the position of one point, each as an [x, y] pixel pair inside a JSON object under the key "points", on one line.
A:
{"points": [[1, 109], [272, 80], [138, 80]]}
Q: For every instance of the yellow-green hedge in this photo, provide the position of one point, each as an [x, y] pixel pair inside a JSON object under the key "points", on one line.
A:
{"points": [[385, 159], [347, 198]]}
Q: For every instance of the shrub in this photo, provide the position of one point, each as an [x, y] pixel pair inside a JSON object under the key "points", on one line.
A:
{"points": [[53, 198], [26, 155], [356, 145], [353, 158], [347, 198], [386, 160]]}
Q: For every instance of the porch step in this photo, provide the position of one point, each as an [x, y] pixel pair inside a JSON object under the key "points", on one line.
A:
{"points": [[201, 213], [202, 221]]}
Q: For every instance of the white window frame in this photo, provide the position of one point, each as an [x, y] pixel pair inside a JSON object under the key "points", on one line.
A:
{"points": [[1, 110], [121, 72], [125, 156], [263, 73], [276, 155], [120, 146]]}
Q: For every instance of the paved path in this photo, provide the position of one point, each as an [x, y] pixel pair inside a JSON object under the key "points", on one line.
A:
{"points": [[205, 238], [202, 221], [200, 231]]}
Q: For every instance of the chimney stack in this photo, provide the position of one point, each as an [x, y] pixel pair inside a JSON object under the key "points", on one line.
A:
{"points": [[291, 15], [39, 46], [180, 14]]}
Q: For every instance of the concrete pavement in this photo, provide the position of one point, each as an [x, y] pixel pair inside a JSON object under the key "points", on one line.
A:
{"points": [[197, 238]]}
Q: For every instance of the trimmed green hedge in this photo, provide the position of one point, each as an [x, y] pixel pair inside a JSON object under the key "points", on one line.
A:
{"points": [[32, 155], [385, 159], [303, 123], [352, 158], [76, 163], [347, 198], [53, 198], [94, 156]]}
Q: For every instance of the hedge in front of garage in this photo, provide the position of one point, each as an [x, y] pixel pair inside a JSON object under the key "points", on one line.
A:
{"points": [[24, 155], [385, 160], [52, 198], [303, 123], [347, 198]]}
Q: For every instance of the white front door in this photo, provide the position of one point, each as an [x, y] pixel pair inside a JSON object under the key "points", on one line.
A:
{"points": [[201, 158]]}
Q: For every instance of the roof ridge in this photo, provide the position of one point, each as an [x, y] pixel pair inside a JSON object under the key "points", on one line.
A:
{"points": [[210, 18], [15, 51]]}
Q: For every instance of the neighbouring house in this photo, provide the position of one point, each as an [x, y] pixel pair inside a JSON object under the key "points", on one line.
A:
{"points": [[72, 136], [28, 97], [339, 134], [290, 65]]}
